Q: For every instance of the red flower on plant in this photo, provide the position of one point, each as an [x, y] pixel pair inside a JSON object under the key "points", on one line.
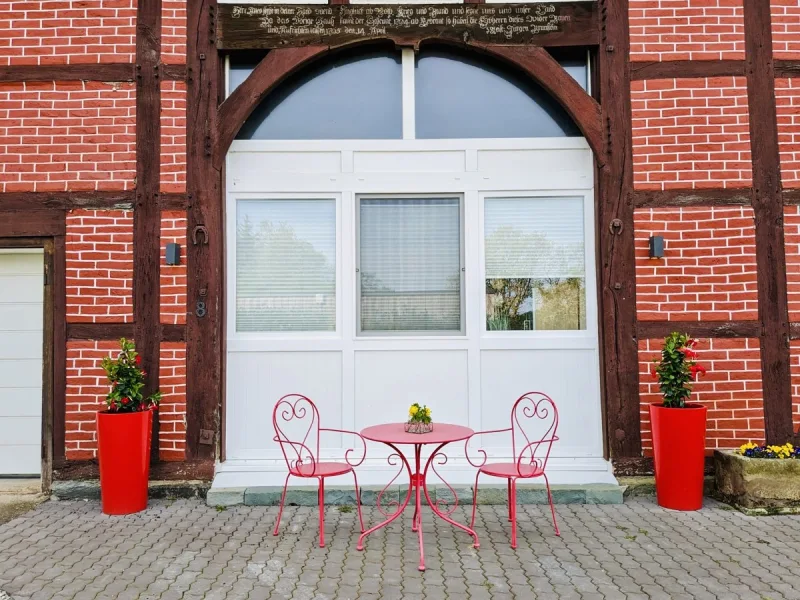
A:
{"points": [[654, 373], [689, 353], [138, 360], [696, 370], [125, 401]]}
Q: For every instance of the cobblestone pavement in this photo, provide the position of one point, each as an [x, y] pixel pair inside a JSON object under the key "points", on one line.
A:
{"points": [[184, 549]]}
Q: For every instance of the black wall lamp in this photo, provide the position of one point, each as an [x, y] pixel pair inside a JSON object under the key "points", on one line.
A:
{"points": [[656, 246], [173, 254]]}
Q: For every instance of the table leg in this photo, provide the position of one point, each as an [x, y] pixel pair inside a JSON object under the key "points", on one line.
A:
{"points": [[436, 506], [400, 507], [418, 482]]}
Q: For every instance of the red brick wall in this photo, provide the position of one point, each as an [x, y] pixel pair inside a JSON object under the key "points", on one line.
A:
{"points": [[785, 28], [787, 98], [709, 267], [691, 133], [67, 136], [686, 29], [87, 387], [67, 31], [172, 412], [731, 390], [173, 278], [173, 31], [99, 248], [791, 232], [795, 370], [173, 136]]}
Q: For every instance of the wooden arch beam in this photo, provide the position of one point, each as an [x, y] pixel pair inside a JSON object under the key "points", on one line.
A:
{"points": [[534, 61]]}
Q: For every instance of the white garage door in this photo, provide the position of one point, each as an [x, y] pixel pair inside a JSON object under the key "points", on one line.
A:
{"points": [[21, 315]]}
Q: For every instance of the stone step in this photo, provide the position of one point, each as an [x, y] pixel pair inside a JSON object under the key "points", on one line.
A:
{"points": [[487, 494]]}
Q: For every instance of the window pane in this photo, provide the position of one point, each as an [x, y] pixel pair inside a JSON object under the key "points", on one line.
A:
{"points": [[410, 264], [286, 265], [352, 97], [535, 271], [466, 97]]}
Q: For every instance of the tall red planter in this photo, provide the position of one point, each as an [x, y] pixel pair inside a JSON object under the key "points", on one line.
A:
{"points": [[679, 446], [123, 442]]}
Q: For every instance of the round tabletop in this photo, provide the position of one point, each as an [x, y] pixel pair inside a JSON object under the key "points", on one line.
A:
{"points": [[394, 433]]}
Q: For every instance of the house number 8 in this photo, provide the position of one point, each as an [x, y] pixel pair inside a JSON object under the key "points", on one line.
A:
{"points": [[200, 311]]}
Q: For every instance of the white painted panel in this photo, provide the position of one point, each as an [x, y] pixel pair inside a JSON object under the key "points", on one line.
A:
{"points": [[21, 306], [569, 377], [21, 316], [21, 345], [20, 402], [541, 161], [19, 287], [249, 166], [387, 383], [409, 162], [20, 460], [256, 380]]}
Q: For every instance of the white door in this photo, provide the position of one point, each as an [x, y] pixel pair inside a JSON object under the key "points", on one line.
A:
{"points": [[430, 263], [21, 333]]}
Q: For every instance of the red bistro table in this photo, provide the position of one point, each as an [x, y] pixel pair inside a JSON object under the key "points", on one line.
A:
{"points": [[394, 435]]}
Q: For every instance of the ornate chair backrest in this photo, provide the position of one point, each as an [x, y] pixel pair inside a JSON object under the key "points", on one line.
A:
{"points": [[296, 422], [534, 422]]}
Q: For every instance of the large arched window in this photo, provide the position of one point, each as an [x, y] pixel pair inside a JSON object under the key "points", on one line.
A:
{"points": [[388, 94]]}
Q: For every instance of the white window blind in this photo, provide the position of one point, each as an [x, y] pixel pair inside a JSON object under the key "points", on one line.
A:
{"points": [[535, 268], [286, 265], [410, 264]]}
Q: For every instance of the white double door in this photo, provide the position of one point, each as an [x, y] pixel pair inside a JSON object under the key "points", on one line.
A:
{"points": [[470, 377]]}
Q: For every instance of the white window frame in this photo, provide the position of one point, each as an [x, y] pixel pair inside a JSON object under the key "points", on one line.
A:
{"points": [[232, 204], [462, 269], [590, 275]]}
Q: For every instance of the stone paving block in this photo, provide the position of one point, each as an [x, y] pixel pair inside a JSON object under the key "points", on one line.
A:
{"points": [[225, 496], [604, 494]]}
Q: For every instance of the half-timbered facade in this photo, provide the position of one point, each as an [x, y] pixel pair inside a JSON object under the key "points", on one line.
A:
{"points": [[377, 204]]}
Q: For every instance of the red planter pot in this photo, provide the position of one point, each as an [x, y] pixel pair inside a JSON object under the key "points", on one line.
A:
{"points": [[123, 442], [679, 445]]}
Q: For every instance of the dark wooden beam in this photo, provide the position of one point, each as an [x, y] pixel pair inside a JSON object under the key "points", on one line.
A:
{"points": [[671, 69], [122, 200], [32, 223], [243, 26], [79, 72], [690, 197], [204, 328], [59, 283], [648, 330], [791, 196], [615, 239], [170, 72], [787, 68], [68, 470], [147, 216], [773, 305], [113, 331]]}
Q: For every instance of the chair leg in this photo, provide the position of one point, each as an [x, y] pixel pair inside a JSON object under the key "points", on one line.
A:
{"points": [[513, 506], [280, 509], [474, 500], [552, 508], [509, 498], [358, 502], [321, 502]]}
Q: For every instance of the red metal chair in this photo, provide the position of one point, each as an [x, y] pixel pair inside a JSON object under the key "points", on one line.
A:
{"points": [[532, 412], [298, 413]]}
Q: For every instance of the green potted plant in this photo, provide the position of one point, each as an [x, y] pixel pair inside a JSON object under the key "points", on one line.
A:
{"points": [[124, 432], [679, 427]]}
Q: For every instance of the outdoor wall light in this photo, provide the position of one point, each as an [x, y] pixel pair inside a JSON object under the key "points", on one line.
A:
{"points": [[173, 254], [656, 246]]}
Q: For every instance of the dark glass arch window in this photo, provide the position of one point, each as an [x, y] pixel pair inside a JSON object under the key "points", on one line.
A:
{"points": [[354, 96], [465, 96]]}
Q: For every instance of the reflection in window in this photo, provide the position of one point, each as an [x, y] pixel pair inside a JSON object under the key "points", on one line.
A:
{"points": [[467, 97], [286, 265], [410, 264], [355, 96], [535, 271]]}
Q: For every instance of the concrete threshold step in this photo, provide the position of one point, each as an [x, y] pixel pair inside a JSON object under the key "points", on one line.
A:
{"points": [[487, 494]]}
